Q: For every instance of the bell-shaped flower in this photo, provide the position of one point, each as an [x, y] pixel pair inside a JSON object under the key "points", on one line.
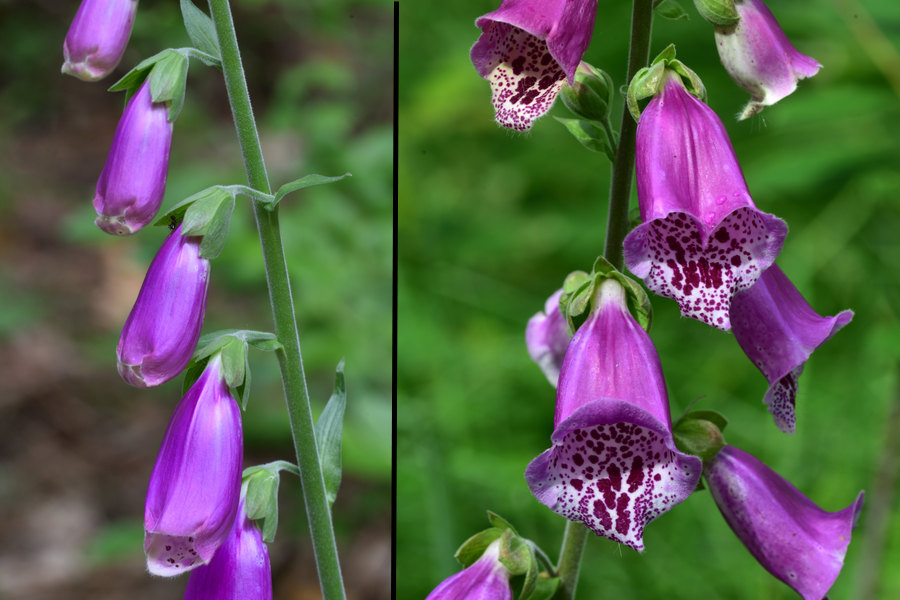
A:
{"points": [[161, 332], [485, 579], [97, 38], [547, 337], [791, 537], [779, 330], [613, 464], [702, 238], [195, 485], [527, 50], [133, 181], [239, 570], [759, 57]]}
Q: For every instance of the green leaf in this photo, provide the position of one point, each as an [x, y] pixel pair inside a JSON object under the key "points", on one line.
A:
{"points": [[329, 432], [670, 9], [301, 183], [133, 79], [209, 215], [591, 136], [200, 29], [261, 499], [168, 81]]}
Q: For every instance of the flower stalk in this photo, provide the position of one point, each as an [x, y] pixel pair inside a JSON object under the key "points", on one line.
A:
{"points": [[277, 277]]}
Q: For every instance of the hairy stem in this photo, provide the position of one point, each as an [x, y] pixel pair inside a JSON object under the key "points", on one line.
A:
{"points": [[278, 279]]}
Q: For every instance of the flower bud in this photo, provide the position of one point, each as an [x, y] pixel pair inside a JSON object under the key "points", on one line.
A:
{"points": [[195, 485], [97, 38], [162, 330], [133, 181], [591, 96], [547, 337]]}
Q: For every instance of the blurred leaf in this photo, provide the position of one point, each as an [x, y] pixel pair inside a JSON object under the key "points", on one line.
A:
{"points": [[200, 29], [329, 432]]}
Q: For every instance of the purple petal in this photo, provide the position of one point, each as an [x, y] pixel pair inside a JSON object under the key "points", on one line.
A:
{"points": [[791, 537], [133, 181], [97, 38], [526, 51], [162, 330], [195, 485], [485, 579], [759, 57], [779, 331], [547, 337]]}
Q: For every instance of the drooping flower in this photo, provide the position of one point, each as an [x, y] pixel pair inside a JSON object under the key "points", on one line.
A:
{"points": [[97, 38], [613, 464], [195, 485], [239, 570], [485, 579], [527, 49], [791, 537], [779, 330], [759, 57], [164, 325], [133, 181], [702, 238], [547, 336]]}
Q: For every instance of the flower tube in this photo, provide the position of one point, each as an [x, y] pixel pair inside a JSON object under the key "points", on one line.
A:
{"points": [[164, 325], [239, 570], [527, 50], [759, 57], [702, 238], [97, 38], [133, 181], [613, 464], [779, 331], [195, 485], [791, 537], [547, 336], [485, 579]]}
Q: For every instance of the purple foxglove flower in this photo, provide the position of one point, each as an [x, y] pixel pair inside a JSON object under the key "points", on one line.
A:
{"points": [[97, 38], [547, 337], [702, 238], [779, 331], [195, 485], [133, 181], [792, 538], [161, 332], [759, 57], [613, 464], [485, 579], [239, 570], [527, 49]]}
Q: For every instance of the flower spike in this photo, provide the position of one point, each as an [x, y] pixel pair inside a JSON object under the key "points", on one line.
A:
{"points": [[613, 464], [527, 50]]}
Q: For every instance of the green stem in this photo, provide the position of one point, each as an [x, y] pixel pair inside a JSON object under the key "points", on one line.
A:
{"points": [[616, 228], [278, 279]]}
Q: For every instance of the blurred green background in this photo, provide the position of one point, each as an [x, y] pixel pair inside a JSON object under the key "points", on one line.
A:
{"points": [[490, 222], [76, 443]]}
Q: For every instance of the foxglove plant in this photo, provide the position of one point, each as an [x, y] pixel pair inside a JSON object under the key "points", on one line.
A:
{"points": [[162, 330], [547, 337], [779, 331], [613, 465], [702, 239], [97, 38], [527, 50]]}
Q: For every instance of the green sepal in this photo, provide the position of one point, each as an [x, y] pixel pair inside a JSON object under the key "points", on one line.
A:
{"points": [[499, 522], [472, 549], [261, 494], [544, 587], [299, 184], [700, 433], [200, 29], [517, 555], [720, 13], [670, 9], [648, 82], [168, 81], [329, 432], [590, 135], [635, 295], [132, 80], [576, 296], [210, 217]]}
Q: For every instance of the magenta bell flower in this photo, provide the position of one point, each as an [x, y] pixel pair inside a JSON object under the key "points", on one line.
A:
{"points": [[779, 331], [547, 337], [759, 57], [485, 579], [792, 538], [239, 570], [613, 464], [195, 485], [702, 238], [162, 330], [527, 49], [133, 181], [97, 38]]}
